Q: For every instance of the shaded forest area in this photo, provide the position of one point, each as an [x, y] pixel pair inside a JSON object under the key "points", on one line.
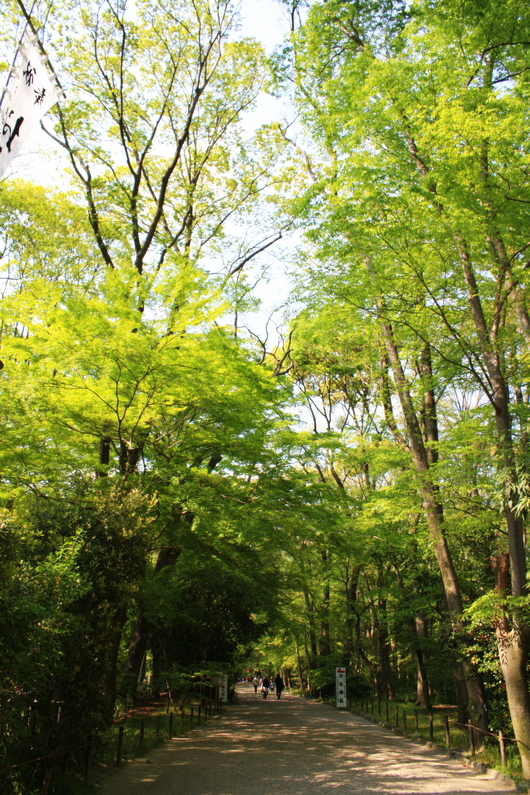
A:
{"points": [[182, 495]]}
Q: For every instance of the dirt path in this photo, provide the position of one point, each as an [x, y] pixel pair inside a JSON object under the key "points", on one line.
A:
{"points": [[295, 747]]}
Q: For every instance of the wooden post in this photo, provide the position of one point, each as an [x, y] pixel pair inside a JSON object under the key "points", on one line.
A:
{"points": [[191, 718], [447, 735], [397, 717], [120, 746], [431, 726], [379, 707], [387, 712], [142, 735], [502, 746], [158, 729], [182, 721], [171, 725], [88, 759], [404, 720], [199, 716], [416, 722], [471, 737], [372, 705]]}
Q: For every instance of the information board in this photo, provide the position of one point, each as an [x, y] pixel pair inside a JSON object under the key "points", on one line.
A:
{"points": [[340, 688]]}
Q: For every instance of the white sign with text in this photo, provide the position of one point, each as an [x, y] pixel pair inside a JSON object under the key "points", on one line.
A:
{"points": [[340, 688]]}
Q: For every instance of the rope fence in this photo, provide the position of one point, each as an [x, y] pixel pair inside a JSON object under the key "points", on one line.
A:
{"points": [[368, 706], [204, 712], [206, 708]]}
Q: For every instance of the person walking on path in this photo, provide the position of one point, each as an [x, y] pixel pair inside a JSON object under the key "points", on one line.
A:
{"points": [[255, 682], [265, 686], [279, 686]]}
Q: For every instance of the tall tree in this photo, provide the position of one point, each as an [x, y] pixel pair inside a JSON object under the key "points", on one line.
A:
{"points": [[420, 112]]}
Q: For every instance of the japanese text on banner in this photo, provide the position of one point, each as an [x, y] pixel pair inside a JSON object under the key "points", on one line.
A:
{"points": [[33, 94]]}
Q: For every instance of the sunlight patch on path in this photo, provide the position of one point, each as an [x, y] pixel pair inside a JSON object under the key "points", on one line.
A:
{"points": [[294, 747]]}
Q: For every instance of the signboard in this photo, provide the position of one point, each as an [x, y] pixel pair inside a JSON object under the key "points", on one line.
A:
{"points": [[223, 690], [340, 688]]}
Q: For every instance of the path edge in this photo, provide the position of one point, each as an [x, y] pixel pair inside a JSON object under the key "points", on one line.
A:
{"points": [[480, 767]]}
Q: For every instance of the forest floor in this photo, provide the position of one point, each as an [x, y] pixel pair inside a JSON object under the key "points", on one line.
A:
{"points": [[294, 747]]}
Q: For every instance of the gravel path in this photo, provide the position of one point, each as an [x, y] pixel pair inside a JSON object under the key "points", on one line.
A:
{"points": [[295, 747]]}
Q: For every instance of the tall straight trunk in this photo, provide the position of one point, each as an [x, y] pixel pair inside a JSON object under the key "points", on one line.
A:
{"points": [[423, 696], [379, 670], [513, 643], [513, 631], [375, 669], [303, 685], [383, 643], [434, 515], [324, 645], [351, 617], [418, 627], [324, 648], [310, 611]]}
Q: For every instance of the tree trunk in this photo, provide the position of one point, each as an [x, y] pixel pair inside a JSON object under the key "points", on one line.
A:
{"points": [[160, 662], [513, 644], [434, 513], [138, 644], [324, 649], [377, 634], [512, 632], [111, 674], [104, 456], [423, 696], [310, 610], [383, 644], [135, 656], [351, 617], [299, 666], [418, 627], [387, 689]]}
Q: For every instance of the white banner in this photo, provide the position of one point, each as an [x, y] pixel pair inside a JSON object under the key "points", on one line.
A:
{"points": [[33, 93]]}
